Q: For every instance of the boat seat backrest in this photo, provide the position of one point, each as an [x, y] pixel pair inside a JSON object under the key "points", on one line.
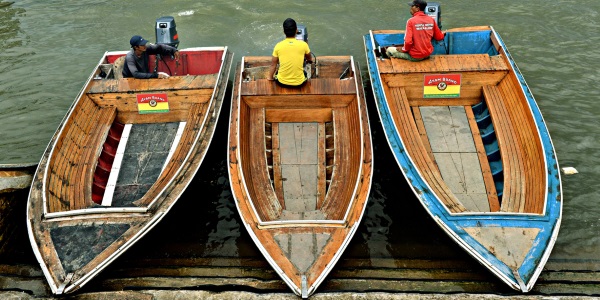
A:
{"points": [[118, 67]]}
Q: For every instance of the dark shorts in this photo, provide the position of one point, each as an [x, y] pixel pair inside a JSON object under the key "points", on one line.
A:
{"points": [[292, 86]]}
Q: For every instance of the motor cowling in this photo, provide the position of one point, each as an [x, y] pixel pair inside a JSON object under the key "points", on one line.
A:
{"points": [[434, 10], [301, 33], [166, 31]]}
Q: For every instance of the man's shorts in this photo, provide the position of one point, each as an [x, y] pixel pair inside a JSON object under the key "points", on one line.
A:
{"points": [[393, 52]]}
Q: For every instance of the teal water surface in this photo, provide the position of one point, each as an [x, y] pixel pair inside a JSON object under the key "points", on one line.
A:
{"points": [[48, 49]]}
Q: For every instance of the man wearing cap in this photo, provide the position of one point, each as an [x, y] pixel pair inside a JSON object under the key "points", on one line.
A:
{"points": [[420, 29], [290, 55], [136, 60]]}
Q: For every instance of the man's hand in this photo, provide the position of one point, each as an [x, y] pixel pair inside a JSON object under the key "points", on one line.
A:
{"points": [[176, 55], [163, 75]]}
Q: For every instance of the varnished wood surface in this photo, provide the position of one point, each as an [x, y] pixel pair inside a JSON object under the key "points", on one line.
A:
{"points": [[488, 77], [407, 128], [74, 157], [71, 159], [323, 99], [521, 153], [514, 237]]}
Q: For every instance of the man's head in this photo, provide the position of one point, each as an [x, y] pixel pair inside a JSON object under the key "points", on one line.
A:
{"points": [[420, 4], [289, 27], [137, 40]]}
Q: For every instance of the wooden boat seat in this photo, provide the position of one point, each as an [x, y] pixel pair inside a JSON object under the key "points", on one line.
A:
{"points": [[523, 168], [445, 63], [409, 75], [314, 86], [347, 147], [419, 151], [132, 85], [118, 67], [267, 204], [328, 92], [73, 155]]}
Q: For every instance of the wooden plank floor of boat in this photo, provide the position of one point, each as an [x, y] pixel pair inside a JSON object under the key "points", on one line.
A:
{"points": [[148, 146], [454, 151], [299, 163], [298, 147]]}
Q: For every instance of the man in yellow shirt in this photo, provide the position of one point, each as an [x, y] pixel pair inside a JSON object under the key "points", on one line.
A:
{"points": [[290, 55]]}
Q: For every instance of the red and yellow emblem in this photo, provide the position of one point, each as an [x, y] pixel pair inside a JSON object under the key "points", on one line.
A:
{"points": [[441, 86], [152, 103]]}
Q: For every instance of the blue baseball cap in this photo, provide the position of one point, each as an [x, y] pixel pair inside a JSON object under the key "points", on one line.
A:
{"points": [[137, 40]]}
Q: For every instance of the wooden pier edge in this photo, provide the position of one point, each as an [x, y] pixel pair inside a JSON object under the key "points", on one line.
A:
{"points": [[352, 276]]}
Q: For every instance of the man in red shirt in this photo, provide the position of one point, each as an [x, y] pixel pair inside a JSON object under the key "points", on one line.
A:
{"points": [[420, 29]]}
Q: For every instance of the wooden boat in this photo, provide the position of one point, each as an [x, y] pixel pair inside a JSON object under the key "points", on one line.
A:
{"points": [[300, 165], [471, 141], [122, 156]]}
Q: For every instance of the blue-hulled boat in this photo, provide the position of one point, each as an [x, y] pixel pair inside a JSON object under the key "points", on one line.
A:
{"points": [[470, 139]]}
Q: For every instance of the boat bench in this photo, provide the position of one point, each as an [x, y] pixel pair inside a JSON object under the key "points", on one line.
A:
{"points": [[519, 148], [444, 63], [409, 75], [328, 92], [181, 91], [268, 206], [75, 154], [418, 150]]}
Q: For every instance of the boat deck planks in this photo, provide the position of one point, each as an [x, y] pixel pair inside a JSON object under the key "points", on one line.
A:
{"points": [[405, 123], [452, 145], [148, 146], [299, 143]]}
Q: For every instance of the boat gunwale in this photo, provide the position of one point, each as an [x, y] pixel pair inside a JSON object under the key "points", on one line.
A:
{"points": [[471, 214], [147, 221], [158, 195], [550, 205], [307, 222], [252, 225]]}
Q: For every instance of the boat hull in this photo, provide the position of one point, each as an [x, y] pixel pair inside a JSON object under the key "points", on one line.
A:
{"points": [[119, 161], [300, 166], [471, 141]]}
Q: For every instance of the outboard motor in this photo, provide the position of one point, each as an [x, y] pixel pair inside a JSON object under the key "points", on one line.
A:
{"points": [[302, 33], [434, 10], [166, 31]]}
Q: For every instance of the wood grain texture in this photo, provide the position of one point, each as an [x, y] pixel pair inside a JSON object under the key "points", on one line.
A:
{"points": [[306, 239], [60, 200]]}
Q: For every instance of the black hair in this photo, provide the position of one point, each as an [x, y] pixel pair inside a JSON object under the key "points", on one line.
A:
{"points": [[289, 27], [421, 4]]}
